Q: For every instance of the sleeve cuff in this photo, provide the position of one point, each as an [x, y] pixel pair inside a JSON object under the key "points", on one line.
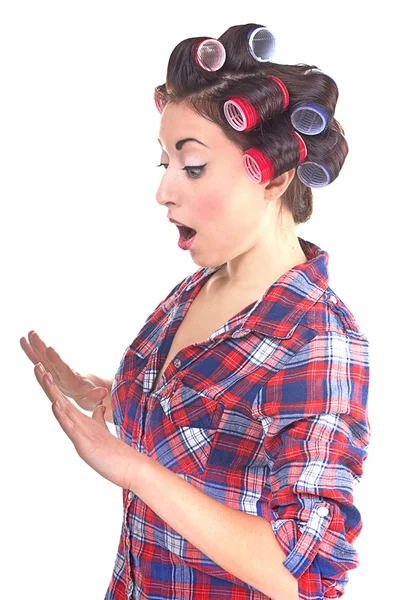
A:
{"points": [[301, 541], [302, 549]]}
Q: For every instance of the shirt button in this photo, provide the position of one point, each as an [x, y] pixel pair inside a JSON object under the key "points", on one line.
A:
{"points": [[333, 299], [130, 495], [130, 586], [322, 511], [177, 363]]}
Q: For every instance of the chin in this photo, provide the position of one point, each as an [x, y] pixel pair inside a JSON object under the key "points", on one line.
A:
{"points": [[207, 264]]}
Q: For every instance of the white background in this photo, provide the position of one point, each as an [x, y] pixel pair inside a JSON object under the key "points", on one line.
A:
{"points": [[87, 253]]}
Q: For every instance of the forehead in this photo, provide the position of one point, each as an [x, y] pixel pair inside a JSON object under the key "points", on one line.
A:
{"points": [[178, 121]]}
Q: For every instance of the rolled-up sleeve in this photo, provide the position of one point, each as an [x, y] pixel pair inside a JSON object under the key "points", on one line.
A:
{"points": [[316, 432]]}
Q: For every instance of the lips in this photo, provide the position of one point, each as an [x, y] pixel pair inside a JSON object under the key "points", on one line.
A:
{"points": [[182, 224], [186, 230]]}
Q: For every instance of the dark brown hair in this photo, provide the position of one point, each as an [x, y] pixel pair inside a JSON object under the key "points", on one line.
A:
{"points": [[205, 92]]}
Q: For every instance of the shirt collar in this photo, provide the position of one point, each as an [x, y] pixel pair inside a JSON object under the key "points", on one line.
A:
{"points": [[279, 310]]}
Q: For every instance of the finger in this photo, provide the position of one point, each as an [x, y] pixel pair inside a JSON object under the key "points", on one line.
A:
{"points": [[49, 358], [35, 349], [27, 348], [96, 397], [57, 363], [98, 394], [55, 395], [98, 415], [65, 422], [51, 390], [69, 417]]}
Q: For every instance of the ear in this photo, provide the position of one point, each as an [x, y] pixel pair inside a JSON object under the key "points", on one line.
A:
{"points": [[276, 187]]}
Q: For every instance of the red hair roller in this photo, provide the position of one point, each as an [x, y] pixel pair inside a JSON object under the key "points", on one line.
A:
{"points": [[284, 91], [241, 114], [257, 165], [260, 168]]}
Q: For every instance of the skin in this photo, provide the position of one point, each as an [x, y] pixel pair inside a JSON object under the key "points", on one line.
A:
{"points": [[237, 220]]}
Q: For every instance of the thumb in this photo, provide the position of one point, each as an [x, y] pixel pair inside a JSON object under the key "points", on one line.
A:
{"points": [[98, 415], [100, 393]]}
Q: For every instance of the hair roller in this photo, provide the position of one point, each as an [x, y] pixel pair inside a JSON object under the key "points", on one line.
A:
{"points": [[283, 89], [159, 98], [209, 54], [270, 98], [248, 47], [302, 146], [263, 166], [192, 65], [309, 118], [325, 160], [313, 101], [261, 43], [258, 165], [314, 174], [240, 114]]}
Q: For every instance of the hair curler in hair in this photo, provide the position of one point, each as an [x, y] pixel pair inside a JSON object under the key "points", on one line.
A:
{"points": [[240, 114], [261, 43], [258, 165], [284, 91], [158, 99], [314, 174], [326, 158], [309, 118], [243, 116], [209, 54], [302, 147]]}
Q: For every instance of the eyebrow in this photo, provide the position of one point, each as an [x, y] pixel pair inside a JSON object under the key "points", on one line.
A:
{"points": [[180, 143]]}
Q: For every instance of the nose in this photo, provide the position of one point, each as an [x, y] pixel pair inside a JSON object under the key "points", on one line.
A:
{"points": [[168, 190]]}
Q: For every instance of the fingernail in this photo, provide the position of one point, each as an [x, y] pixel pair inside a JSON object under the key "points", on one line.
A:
{"points": [[41, 367]]}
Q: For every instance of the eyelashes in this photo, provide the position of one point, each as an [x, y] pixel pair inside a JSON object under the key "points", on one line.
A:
{"points": [[189, 169]]}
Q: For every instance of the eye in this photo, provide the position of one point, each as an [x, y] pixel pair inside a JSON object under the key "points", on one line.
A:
{"points": [[200, 169], [188, 169]]}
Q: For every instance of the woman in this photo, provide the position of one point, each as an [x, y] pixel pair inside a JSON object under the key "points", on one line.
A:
{"points": [[241, 405]]}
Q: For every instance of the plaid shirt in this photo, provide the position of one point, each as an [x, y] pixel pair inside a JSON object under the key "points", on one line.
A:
{"points": [[268, 415]]}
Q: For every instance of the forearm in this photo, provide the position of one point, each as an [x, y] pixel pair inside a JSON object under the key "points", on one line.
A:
{"points": [[242, 544]]}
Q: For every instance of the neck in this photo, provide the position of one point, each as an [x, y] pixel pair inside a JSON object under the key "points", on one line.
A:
{"points": [[262, 264]]}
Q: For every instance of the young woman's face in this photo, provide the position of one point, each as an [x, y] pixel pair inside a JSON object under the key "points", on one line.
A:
{"points": [[207, 188]]}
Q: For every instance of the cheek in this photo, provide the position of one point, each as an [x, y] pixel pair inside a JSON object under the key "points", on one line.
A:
{"points": [[212, 209]]}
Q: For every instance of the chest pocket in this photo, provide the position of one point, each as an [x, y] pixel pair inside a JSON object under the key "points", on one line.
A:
{"points": [[182, 426]]}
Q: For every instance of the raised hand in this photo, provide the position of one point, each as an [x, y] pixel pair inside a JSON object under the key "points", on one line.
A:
{"points": [[110, 457], [86, 390]]}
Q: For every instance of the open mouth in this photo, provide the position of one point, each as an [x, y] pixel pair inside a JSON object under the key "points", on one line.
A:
{"points": [[186, 232]]}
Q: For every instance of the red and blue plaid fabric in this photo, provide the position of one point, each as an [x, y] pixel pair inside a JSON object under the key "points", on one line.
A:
{"points": [[268, 415]]}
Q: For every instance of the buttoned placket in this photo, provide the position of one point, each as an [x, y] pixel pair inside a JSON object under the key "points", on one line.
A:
{"points": [[130, 583], [153, 366]]}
